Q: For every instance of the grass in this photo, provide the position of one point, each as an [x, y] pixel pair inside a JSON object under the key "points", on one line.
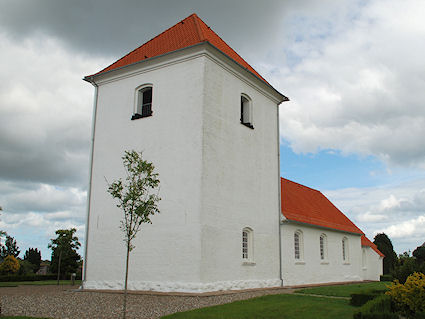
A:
{"points": [[344, 290], [274, 306], [38, 283], [288, 306], [20, 317]]}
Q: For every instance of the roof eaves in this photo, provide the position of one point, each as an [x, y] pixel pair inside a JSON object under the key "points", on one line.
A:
{"points": [[290, 221], [284, 98], [88, 78]]}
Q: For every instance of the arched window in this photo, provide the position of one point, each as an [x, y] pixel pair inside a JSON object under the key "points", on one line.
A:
{"points": [[298, 245], [247, 244], [246, 111], [363, 257], [143, 102], [345, 249], [323, 247]]}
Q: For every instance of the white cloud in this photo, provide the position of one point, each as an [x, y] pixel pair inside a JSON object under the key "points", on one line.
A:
{"points": [[398, 210], [410, 228], [45, 119], [357, 85]]}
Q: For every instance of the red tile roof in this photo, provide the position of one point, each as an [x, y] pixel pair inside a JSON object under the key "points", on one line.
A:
{"points": [[187, 32], [307, 205], [367, 242]]}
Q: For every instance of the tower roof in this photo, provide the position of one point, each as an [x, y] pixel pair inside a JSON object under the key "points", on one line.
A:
{"points": [[186, 33], [306, 205]]}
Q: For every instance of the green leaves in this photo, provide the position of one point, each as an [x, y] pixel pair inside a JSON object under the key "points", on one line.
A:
{"points": [[136, 194]]}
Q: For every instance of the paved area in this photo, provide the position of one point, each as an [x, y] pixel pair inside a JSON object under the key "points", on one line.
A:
{"points": [[66, 302]]}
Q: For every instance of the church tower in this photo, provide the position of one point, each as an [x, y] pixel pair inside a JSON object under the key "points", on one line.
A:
{"points": [[210, 125]]}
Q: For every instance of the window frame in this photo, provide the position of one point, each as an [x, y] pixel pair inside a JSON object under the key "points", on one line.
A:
{"points": [[323, 247], [345, 251], [298, 253], [248, 246], [139, 105], [246, 111]]}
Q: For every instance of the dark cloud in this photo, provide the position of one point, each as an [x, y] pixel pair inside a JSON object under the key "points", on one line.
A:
{"points": [[115, 27]]}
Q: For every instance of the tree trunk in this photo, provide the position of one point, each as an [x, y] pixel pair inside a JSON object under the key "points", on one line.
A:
{"points": [[126, 280], [59, 265]]}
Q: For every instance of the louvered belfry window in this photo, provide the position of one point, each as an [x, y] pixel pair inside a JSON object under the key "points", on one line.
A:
{"points": [[145, 102]]}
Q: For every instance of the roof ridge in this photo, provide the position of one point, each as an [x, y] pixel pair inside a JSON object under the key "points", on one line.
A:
{"points": [[246, 68], [201, 35], [157, 36], [313, 189]]}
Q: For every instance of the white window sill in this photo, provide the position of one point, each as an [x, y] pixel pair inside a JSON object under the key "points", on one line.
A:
{"points": [[248, 263], [324, 262], [364, 268], [300, 262]]}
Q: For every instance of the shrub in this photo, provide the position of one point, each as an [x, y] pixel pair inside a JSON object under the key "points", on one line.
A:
{"points": [[407, 267], [409, 298], [33, 277], [360, 298], [10, 265], [378, 308], [386, 278]]}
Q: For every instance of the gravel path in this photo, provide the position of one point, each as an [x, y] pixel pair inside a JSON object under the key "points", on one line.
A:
{"points": [[66, 303]]}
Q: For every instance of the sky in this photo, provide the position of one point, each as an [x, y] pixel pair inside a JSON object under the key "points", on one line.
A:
{"points": [[354, 127]]}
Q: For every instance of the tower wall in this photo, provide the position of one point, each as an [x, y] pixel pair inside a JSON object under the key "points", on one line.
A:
{"points": [[240, 184], [167, 254]]}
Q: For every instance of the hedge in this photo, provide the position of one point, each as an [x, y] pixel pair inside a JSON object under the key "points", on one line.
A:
{"points": [[378, 308], [359, 299], [386, 278], [7, 278]]}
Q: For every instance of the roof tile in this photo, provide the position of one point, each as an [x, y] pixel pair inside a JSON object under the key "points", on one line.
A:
{"points": [[187, 32], [307, 205]]}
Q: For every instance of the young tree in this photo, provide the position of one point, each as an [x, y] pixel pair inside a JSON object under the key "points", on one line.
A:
{"points": [[2, 233], [137, 197], [34, 257], [386, 247], [10, 248], [64, 252]]}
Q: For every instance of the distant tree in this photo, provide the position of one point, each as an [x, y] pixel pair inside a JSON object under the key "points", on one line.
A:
{"points": [[10, 248], [26, 267], [419, 253], [34, 257], [64, 252], [10, 265], [137, 197], [385, 245]]}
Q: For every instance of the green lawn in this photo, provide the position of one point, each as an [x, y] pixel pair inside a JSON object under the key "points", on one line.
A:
{"points": [[288, 306], [38, 283], [20, 317], [344, 290], [274, 306]]}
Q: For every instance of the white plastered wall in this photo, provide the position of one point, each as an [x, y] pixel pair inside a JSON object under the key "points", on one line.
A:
{"points": [[167, 254], [239, 183], [372, 264], [310, 269], [217, 177]]}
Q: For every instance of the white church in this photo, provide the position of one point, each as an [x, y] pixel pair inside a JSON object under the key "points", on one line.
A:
{"points": [[210, 124]]}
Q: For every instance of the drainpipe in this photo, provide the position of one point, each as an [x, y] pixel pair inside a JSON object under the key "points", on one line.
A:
{"points": [[91, 80], [279, 196]]}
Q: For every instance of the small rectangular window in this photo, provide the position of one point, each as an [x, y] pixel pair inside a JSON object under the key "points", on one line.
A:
{"points": [[246, 112], [144, 103]]}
